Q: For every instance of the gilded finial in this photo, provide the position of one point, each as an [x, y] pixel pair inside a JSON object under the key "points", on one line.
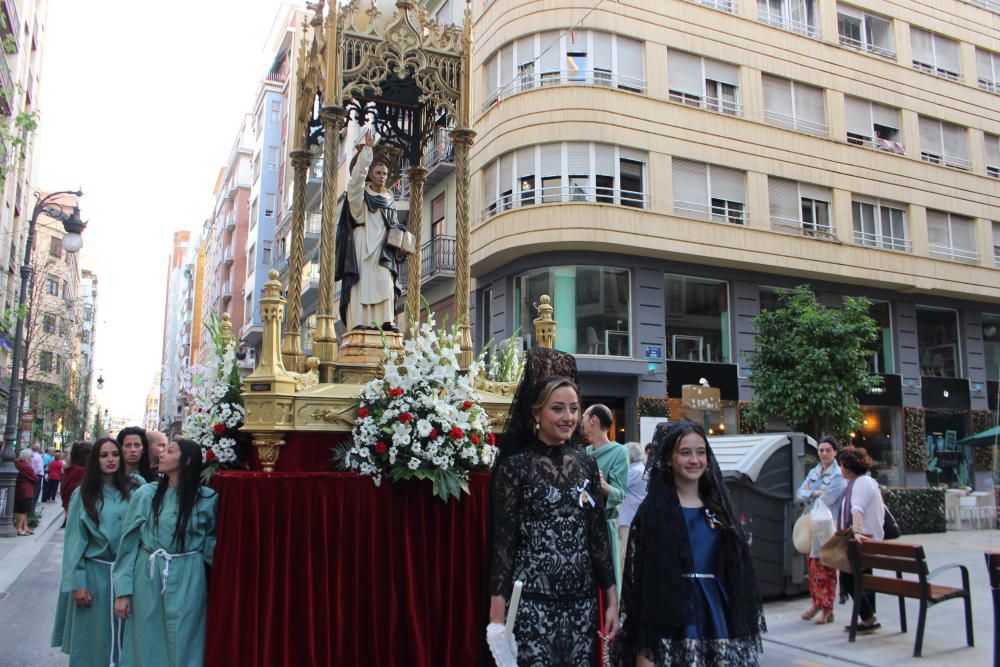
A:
{"points": [[545, 326]]}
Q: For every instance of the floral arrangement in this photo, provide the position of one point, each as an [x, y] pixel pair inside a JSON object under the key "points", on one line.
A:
{"points": [[503, 362], [217, 395], [423, 419]]}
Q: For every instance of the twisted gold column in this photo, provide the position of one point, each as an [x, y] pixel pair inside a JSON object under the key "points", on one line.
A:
{"points": [[325, 342], [462, 140], [291, 342], [416, 176]]}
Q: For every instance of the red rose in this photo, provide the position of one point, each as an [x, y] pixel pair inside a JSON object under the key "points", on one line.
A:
{"points": [[219, 429], [492, 439], [405, 417], [380, 448], [396, 392], [456, 433], [433, 434], [362, 413], [210, 456], [474, 438], [466, 405]]}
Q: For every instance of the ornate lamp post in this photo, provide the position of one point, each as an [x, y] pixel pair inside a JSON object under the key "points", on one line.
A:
{"points": [[72, 242]]}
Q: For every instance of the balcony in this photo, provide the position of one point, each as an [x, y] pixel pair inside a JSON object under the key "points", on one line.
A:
{"points": [[226, 291], [713, 104], [953, 254], [722, 5], [229, 256], [437, 263], [13, 27], [874, 240], [947, 160], [931, 68], [439, 158], [780, 20], [231, 221], [532, 80], [310, 278], [868, 47], [6, 87], [801, 228], [314, 231]]}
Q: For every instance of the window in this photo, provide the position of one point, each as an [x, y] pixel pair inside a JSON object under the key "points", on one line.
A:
{"points": [[59, 363], [935, 54], [882, 357], [566, 172], [873, 125], [265, 253], [437, 217], [798, 16], [943, 143], [704, 83], [992, 150], [879, 224], [275, 111], [269, 204], [593, 310], [272, 157], [951, 236], [248, 309], [937, 341], [860, 30], [996, 244], [991, 343], [794, 106], [578, 57], [484, 318], [251, 258], [799, 207], [768, 297], [45, 361], [988, 64], [55, 247], [697, 319], [721, 5], [52, 286], [49, 324], [708, 192]]}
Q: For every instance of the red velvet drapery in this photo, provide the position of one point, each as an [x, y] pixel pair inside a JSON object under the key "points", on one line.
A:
{"points": [[328, 569]]}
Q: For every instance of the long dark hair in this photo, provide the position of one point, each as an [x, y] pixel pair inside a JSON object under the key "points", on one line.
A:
{"points": [[92, 486], [80, 453], [144, 470], [188, 491], [707, 488]]}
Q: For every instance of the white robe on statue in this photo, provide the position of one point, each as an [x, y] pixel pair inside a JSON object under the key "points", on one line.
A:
{"points": [[372, 298]]}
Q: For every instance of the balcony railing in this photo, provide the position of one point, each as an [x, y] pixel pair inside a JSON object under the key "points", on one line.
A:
{"points": [[230, 256], [809, 229], [531, 81], [721, 5], [942, 72], [437, 255], [714, 104], [440, 149], [6, 86], [787, 23], [732, 212], [952, 253], [990, 86], [797, 124], [14, 22], [884, 242], [401, 188], [226, 290], [996, 255], [992, 5], [992, 171], [852, 43], [571, 194], [947, 160]]}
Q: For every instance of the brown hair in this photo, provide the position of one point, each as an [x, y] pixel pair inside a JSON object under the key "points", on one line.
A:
{"points": [[550, 385], [855, 459]]}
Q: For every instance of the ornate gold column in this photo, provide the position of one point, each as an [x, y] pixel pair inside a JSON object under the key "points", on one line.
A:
{"points": [[291, 342], [325, 342], [416, 176], [461, 139], [545, 326]]}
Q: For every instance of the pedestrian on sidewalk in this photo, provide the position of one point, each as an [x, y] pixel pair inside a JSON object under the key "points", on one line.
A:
{"points": [[24, 492], [825, 484], [135, 449], [690, 595], [38, 465], [159, 574], [863, 511], [85, 627], [53, 475], [612, 465]]}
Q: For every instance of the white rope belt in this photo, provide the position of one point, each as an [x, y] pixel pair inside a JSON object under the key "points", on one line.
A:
{"points": [[115, 621], [698, 575], [167, 557]]}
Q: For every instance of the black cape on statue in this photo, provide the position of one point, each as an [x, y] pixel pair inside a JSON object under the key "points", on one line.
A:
{"points": [[346, 264]]}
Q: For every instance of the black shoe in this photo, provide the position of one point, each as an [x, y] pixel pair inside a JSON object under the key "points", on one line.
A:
{"points": [[864, 629]]}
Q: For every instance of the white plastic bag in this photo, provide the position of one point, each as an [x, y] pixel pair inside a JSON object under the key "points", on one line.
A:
{"points": [[822, 525]]}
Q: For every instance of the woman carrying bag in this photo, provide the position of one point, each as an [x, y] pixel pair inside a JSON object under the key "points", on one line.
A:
{"points": [[824, 484]]}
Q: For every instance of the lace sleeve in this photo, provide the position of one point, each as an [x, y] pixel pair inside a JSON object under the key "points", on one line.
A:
{"points": [[599, 544], [506, 519]]}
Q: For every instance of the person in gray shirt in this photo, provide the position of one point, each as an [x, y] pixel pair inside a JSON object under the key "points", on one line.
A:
{"points": [[635, 491]]}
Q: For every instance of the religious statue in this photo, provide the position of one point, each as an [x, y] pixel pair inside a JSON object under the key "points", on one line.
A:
{"points": [[371, 243]]}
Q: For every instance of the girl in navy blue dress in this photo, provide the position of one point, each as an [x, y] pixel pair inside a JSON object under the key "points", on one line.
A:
{"points": [[689, 595]]}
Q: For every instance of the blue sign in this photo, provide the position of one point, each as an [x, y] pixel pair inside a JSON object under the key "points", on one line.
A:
{"points": [[654, 352]]}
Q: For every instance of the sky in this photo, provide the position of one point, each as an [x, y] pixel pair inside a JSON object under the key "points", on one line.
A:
{"points": [[140, 104]]}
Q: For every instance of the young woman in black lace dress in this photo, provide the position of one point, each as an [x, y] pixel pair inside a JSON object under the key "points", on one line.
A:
{"points": [[548, 530]]}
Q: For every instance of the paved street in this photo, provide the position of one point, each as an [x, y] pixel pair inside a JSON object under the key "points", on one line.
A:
{"points": [[29, 579]]}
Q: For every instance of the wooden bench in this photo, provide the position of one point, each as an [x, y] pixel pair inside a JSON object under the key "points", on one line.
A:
{"points": [[993, 567], [904, 558]]}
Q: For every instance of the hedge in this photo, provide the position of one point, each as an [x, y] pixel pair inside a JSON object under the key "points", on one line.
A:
{"points": [[916, 510]]}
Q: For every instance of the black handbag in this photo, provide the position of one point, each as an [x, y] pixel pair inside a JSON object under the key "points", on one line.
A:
{"points": [[889, 526]]}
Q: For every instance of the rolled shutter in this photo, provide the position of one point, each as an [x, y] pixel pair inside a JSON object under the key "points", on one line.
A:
{"points": [[985, 65], [604, 160], [963, 233], [720, 71], [602, 51], [992, 154], [809, 107], [506, 173], [525, 162], [955, 141], [437, 208], [858, 114], [632, 154], [778, 100], [525, 50], [549, 59], [685, 73], [946, 54], [922, 44], [551, 155], [690, 188], [817, 192], [506, 66], [783, 198], [578, 159], [937, 229], [930, 136], [886, 116], [492, 67], [727, 184], [630, 59], [490, 183]]}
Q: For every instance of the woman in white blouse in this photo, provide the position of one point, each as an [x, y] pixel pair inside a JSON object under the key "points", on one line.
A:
{"points": [[862, 509]]}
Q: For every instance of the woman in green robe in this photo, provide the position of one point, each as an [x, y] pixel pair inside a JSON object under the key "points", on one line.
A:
{"points": [[167, 540], [612, 461], [85, 627]]}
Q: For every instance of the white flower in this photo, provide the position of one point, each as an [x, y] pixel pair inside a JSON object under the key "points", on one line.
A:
{"points": [[413, 464], [423, 428]]}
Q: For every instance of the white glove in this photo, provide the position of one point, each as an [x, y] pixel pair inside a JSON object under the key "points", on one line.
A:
{"points": [[503, 647]]}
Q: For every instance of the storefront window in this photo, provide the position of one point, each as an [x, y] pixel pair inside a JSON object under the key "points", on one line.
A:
{"points": [[947, 461], [991, 345], [769, 298], [591, 306], [875, 435], [937, 338], [882, 358], [697, 319]]}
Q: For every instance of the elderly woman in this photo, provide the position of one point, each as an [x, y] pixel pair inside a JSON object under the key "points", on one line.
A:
{"points": [[862, 509], [635, 492], [826, 483], [24, 492]]}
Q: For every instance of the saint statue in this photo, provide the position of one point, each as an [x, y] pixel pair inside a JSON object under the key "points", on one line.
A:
{"points": [[367, 264]]}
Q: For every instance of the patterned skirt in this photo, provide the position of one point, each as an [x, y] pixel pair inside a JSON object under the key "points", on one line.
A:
{"points": [[556, 633]]}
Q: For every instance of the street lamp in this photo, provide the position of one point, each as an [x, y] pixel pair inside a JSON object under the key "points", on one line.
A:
{"points": [[72, 242]]}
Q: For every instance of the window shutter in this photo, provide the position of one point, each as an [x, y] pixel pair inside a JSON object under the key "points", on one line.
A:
{"points": [[937, 229], [858, 116], [690, 188], [727, 184], [783, 196], [685, 72], [632, 154], [884, 115], [809, 105], [985, 61], [992, 150], [630, 58], [921, 42], [963, 233], [955, 144], [778, 98], [816, 192], [946, 52], [930, 136], [506, 64], [525, 162], [549, 59], [437, 208], [604, 158], [551, 160], [506, 172], [492, 67], [602, 50], [525, 50], [853, 12], [578, 159], [724, 72], [490, 182]]}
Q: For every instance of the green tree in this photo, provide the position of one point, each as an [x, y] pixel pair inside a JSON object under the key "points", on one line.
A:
{"points": [[811, 362], [97, 428]]}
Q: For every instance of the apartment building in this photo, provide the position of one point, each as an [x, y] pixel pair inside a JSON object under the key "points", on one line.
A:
{"points": [[176, 333]]}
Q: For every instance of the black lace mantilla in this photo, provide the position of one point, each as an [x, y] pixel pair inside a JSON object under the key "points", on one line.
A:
{"points": [[543, 535]]}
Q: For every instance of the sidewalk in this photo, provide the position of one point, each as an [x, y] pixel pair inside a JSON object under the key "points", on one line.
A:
{"points": [[16, 553], [944, 637]]}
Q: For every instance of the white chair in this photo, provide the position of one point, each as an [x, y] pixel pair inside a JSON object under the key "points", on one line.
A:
{"points": [[986, 503], [951, 513], [968, 508]]}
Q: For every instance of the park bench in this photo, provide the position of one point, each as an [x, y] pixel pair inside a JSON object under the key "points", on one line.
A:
{"points": [[909, 559], [993, 567]]}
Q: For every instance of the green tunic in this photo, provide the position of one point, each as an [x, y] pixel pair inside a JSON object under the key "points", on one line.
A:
{"points": [[168, 589], [85, 633], [612, 459]]}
